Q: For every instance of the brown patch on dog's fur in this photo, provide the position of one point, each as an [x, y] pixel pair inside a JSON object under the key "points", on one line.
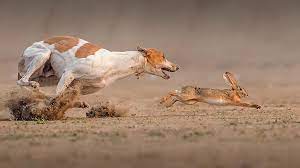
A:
{"points": [[86, 50], [56, 39], [63, 43], [154, 56], [36, 106]]}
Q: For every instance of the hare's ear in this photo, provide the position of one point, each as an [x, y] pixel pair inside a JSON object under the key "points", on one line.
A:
{"points": [[230, 80], [142, 50]]}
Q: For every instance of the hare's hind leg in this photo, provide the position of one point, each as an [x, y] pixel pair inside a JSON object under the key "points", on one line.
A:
{"points": [[175, 96], [190, 101], [186, 99], [169, 100]]}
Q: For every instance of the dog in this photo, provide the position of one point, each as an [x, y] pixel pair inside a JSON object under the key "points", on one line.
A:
{"points": [[71, 58]]}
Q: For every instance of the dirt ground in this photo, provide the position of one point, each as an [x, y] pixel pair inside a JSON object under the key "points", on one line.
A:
{"points": [[257, 40], [151, 135]]}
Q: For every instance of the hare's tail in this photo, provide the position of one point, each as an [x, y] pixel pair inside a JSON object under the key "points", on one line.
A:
{"points": [[174, 93]]}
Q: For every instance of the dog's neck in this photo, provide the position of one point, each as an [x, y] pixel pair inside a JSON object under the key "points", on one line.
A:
{"points": [[125, 64], [134, 60]]}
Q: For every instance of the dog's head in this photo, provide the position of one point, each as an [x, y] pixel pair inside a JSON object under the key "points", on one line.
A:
{"points": [[156, 63]]}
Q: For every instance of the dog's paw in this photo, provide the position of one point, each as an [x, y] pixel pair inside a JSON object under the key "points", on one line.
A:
{"points": [[34, 84], [81, 105], [84, 105]]}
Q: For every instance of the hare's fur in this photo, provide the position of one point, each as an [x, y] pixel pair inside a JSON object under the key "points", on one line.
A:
{"points": [[190, 95]]}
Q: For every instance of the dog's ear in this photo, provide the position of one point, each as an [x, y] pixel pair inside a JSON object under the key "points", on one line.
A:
{"points": [[142, 50]]}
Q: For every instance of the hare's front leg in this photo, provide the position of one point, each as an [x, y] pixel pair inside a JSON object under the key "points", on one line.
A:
{"points": [[245, 104]]}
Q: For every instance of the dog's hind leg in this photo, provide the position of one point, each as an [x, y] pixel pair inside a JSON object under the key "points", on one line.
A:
{"points": [[33, 59]]}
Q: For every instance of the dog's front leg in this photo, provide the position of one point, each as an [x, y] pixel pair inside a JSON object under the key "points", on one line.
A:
{"points": [[81, 104], [65, 80]]}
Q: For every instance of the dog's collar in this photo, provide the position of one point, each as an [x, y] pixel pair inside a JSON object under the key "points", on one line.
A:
{"points": [[139, 70]]}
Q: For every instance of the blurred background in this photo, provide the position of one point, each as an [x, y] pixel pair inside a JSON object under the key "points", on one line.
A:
{"points": [[256, 39]]}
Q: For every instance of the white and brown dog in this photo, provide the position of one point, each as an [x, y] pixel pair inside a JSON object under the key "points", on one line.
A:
{"points": [[70, 58]]}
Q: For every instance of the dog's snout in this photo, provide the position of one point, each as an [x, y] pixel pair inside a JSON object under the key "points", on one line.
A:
{"points": [[169, 66], [175, 67]]}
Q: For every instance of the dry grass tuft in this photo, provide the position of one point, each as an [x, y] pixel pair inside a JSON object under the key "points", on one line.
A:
{"points": [[36, 106], [106, 110]]}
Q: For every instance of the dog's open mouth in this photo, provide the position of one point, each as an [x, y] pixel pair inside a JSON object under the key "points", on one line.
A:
{"points": [[166, 76]]}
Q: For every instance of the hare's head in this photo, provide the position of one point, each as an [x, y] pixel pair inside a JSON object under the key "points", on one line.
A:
{"points": [[156, 62], [231, 81]]}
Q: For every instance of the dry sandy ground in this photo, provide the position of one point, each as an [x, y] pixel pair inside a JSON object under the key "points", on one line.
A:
{"points": [[151, 135]]}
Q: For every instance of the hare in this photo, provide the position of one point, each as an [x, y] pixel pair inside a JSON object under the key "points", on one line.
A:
{"points": [[191, 95]]}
